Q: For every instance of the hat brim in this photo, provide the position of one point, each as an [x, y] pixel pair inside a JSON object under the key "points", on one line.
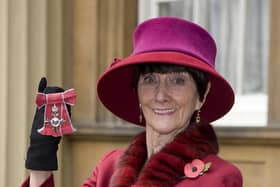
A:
{"points": [[115, 89]]}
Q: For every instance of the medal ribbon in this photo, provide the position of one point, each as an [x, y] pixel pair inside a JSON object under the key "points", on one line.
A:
{"points": [[57, 120]]}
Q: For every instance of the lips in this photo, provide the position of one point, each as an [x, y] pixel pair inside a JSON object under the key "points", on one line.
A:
{"points": [[163, 111]]}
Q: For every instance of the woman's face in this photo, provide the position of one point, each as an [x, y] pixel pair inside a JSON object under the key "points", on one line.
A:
{"points": [[167, 100]]}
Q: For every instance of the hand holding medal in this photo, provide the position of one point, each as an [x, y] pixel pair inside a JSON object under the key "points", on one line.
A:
{"points": [[51, 121]]}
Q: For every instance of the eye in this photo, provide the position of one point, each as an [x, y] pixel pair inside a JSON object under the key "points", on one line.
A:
{"points": [[149, 79], [178, 79]]}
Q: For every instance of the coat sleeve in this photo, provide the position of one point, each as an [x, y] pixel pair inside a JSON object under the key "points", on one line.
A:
{"points": [[102, 173], [48, 183]]}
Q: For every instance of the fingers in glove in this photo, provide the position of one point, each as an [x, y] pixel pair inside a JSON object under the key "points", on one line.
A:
{"points": [[42, 88], [42, 85]]}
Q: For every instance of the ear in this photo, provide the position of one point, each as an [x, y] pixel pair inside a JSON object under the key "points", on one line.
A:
{"points": [[200, 104]]}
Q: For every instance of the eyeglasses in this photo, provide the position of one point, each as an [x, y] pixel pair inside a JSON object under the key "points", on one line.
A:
{"points": [[172, 80]]}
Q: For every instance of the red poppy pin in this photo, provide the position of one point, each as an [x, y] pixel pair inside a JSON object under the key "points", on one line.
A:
{"points": [[195, 168]]}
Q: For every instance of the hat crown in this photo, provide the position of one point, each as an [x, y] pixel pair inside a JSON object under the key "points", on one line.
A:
{"points": [[174, 34]]}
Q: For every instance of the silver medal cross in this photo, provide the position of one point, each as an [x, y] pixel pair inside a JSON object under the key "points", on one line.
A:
{"points": [[55, 122]]}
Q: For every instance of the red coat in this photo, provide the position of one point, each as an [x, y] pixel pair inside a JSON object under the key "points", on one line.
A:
{"points": [[166, 168], [221, 174]]}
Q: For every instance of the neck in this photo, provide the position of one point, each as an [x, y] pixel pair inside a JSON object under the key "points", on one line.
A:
{"points": [[156, 141]]}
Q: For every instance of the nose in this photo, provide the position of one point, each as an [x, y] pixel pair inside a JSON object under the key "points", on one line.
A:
{"points": [[161, 93]]}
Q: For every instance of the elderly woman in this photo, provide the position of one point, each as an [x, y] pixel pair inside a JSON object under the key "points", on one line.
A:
{"points": [[169, 86]]}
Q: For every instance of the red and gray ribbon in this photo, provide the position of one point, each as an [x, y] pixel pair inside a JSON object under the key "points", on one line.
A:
{"points": [[57, 121]]}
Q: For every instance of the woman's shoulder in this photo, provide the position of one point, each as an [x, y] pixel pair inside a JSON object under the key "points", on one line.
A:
{"points": [[221, 173], [221, 166], [110, 158], [104, 169], [112, 155]]}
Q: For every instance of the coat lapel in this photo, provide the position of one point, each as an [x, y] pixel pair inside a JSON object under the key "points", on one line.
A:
{"points": [[166, 168]]}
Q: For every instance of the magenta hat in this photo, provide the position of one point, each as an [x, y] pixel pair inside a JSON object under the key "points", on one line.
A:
{"points": [[165, 40]]}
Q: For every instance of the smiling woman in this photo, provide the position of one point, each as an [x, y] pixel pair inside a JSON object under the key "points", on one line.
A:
{"points": [[168, 97], [169, 75], [168, 92], [169, 86]]}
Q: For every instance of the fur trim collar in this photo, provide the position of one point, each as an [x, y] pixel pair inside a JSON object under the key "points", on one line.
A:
{"points": [[165, 168]]}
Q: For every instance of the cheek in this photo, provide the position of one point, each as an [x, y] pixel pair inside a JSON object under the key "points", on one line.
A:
{"points": [[144, 96], [188, 103], [186, 111]]}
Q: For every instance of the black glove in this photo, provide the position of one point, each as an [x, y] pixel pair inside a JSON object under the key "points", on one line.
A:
{"points": [[41, 154]]}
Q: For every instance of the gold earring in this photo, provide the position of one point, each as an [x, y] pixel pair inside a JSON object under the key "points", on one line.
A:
{"points": [[140, 116], [197, 117]]}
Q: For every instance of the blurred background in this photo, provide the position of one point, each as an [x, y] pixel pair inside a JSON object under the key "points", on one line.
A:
{"points": [[72, 41]]}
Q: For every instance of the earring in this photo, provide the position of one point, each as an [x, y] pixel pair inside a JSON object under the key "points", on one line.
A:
{"points": [[140, 116], [197, 117]]}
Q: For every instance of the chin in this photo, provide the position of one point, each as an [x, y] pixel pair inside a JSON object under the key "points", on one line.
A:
{"points": [[165, 128]]}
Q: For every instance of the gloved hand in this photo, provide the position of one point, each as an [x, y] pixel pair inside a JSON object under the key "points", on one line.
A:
{"points": [[41, 154]]}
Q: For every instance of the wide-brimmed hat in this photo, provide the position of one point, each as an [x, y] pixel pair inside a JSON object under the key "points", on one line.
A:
{"points": [[167, 40]]}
